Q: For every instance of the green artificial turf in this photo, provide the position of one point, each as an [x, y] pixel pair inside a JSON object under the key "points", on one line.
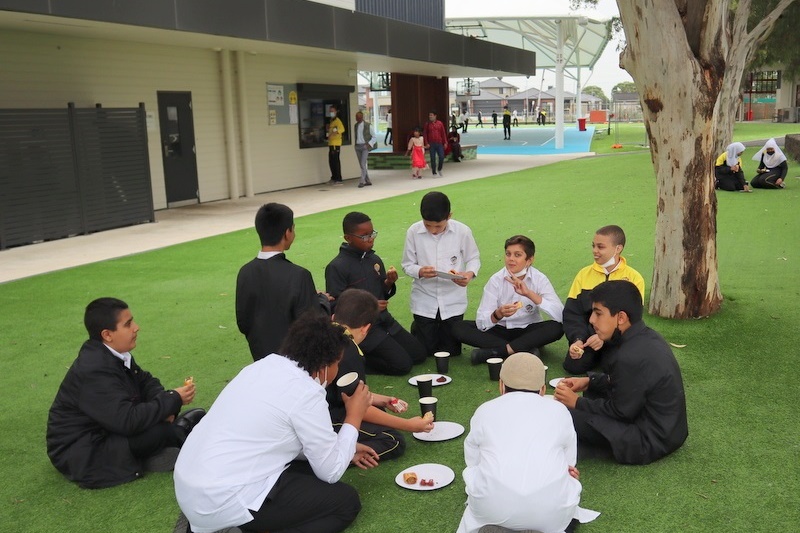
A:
{"points": [[631, 135], [738, 471]]}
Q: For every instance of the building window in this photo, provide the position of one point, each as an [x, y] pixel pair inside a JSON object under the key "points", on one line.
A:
{"points": [[313, 102]]}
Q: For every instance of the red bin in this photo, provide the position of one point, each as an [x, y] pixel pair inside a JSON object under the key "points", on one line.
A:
{"points": [[581, 124]]}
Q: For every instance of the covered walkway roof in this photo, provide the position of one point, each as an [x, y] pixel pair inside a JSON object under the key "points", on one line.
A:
{"points": [[585, 38], [561, 43]]}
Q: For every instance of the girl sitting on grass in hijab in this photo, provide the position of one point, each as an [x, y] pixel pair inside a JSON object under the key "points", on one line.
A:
{"points": [[728, 169], [772, 167]]}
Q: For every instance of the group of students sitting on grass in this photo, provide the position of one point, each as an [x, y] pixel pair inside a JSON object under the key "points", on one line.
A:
{"points": [[770, 174], [269, 453]]}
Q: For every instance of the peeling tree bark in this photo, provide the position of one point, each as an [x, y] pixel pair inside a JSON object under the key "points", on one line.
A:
{"points": [[679, 80], [742, 47], [687, 58]]}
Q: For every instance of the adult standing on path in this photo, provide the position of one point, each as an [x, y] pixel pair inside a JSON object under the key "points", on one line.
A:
{"points": [[364, 143], [388, 129], [435, 139], [506, 124], [335, 130]]}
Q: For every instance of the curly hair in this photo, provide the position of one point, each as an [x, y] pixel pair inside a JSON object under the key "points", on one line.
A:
{"points": [[314, 342]]}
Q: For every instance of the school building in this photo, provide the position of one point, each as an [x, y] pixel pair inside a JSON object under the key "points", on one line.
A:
{"points": [[233, 97]]}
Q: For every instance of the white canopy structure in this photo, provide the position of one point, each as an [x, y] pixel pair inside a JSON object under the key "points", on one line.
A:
{"points": [[561, 42]]}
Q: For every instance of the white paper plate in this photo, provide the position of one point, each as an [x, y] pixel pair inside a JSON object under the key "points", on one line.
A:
{"points": [[441, 431], [448, 379], [441, 475], [448, 275], [555, 381]]}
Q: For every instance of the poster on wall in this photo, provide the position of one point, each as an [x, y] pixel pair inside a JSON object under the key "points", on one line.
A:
{"points": [[275, 95], [278, 96]]}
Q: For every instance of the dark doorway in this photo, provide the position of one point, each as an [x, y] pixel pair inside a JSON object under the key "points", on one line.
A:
{"points": [[177, 148]]}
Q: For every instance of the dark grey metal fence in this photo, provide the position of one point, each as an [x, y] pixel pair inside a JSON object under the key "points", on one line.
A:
{"points": [[65, 172]]}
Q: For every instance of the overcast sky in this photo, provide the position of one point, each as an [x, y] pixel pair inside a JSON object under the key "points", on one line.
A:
{"points": [[606, 72]]}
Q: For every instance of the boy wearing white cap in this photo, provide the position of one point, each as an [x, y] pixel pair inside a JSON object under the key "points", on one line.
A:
{"points": [[522, 476]]}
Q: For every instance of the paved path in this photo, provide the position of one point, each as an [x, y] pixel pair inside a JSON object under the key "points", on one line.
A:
{"points": [[174, 226]]}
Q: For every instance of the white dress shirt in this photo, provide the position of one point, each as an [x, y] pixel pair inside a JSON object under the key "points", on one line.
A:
{"points": [[453, 249], [271, 413], [499, 292], [360, 134], [517, 453]]}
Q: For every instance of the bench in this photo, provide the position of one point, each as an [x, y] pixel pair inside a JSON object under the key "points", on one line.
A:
{"points": [[399, 160]]}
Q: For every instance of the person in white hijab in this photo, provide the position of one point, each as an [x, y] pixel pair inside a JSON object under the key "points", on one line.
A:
{"points": [[728, 170], [772, 167]]}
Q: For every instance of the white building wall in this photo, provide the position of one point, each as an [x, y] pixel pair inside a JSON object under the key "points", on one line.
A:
{"points": [[49, 71], [278, 162]]}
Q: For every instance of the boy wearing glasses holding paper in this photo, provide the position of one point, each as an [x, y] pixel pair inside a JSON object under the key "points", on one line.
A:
{"points": [[388, 348]]}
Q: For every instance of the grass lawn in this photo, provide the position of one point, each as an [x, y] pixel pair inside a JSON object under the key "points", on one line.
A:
{"points": [[738, 471], [633, 139]]}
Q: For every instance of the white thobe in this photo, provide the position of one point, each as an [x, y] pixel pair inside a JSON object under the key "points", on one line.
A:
{"points": [[518, 451]]}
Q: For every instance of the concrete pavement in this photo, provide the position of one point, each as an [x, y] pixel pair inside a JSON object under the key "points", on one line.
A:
{"points": [[174, 226]]}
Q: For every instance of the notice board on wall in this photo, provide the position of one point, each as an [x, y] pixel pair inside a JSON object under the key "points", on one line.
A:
{"points": [[281, 103]]}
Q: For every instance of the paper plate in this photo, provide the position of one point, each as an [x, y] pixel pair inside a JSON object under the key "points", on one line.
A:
{"points": [[440, 474], [448, 275], [448, 379], [441, 431], [554, 382]]}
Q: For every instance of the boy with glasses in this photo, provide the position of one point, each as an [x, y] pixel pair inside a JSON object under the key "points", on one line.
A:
{"points": [[388, 348]]}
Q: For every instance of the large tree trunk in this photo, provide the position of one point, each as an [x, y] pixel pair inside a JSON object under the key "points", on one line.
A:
{"points": [[675, 53], [742, 46]]}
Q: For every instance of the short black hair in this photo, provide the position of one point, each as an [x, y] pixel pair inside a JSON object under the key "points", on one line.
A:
{"points": [[101, 314], [435, 207], [619, 295], [512, 389], [433, 112], [314, 342], [352, 220], [356, 308], [525, 242], [272, 222], [613, 231]]}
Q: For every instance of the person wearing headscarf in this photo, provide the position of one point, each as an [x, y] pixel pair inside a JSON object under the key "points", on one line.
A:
{"points": [[728, 169], [772, 167]]}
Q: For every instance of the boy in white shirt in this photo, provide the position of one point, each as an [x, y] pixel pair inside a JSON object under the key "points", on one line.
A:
{"points": [[521, 454], [509, 318], [434, 245]]}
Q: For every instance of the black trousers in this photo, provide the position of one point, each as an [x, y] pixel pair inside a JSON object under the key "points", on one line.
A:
{"points": [[335, 163], [388, 443], [731, 182], [766, 180], [393, 354], [436, 335], [301, 502], [506, 131], [154, 439], [387, 136], [524, 339]]}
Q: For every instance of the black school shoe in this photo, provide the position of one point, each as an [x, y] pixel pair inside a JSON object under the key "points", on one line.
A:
{"points": [[188, 420], [163, 461], [481, 355]]}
